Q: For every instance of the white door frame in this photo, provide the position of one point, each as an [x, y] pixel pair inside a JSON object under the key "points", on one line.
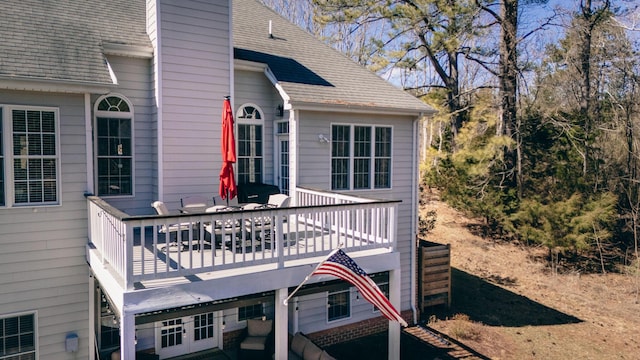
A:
{"points": [[187, 327], [279, 137]]}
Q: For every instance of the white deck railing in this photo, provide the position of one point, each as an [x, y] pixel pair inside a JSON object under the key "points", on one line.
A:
{"points": [[139, 248]]}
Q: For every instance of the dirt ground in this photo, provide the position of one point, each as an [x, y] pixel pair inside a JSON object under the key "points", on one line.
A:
{"points": [[507, 304]]}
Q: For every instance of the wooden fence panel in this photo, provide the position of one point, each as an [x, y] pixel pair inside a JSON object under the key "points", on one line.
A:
{"points": [[434, 271]]}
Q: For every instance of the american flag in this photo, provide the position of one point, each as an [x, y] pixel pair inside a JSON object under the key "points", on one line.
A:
{"points": [[342, 266]]}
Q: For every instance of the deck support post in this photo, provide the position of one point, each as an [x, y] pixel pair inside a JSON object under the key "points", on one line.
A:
{"points": [[92, 317], [394, 326], [281, 322], [127, 336]]}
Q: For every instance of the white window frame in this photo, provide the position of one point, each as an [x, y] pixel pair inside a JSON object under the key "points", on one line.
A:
{"points": [[372, 157], [349, 308], [7, 133], [114, 115], [241, 120], [282, 165], [35, 332], [386, 293]]}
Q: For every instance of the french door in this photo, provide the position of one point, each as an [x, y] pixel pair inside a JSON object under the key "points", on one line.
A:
{"points": [[283, 163], [186, 335]]}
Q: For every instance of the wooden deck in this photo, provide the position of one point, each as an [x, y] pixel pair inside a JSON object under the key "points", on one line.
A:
{"points": [[141, 250], [178, 257]]}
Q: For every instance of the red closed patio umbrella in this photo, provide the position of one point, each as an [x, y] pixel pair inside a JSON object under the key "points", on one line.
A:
{"points": [[228, 189]]}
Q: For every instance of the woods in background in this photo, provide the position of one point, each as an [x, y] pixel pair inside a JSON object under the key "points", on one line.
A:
{"points": [[538, 103]]}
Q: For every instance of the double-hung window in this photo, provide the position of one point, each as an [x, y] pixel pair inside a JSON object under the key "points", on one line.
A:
{"points": [[29, 156], [114, 139], [339, 305], [18, 337], [384, 287], [360, 157], [250, 158]]}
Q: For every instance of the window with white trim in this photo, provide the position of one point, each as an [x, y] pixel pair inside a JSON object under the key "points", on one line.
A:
{"points": [[29, 156], [360, 157], [339, 305], [18, 337], [250, 143], [114, 146], [384, 287]]}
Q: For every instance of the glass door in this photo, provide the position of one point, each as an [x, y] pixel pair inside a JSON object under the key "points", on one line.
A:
{"points": [[282, 166], [171, 338], [186, 335]]}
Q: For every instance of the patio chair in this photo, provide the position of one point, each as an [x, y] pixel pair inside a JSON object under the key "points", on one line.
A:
{"points": [[279, 200], [194, 204], [220, 229], [261, 225], [172, 229], [217, 200], [258, 340]]}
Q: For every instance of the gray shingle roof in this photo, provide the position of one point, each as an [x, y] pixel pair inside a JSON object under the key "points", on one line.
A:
{"points": [[309, 70], [62, 40]]}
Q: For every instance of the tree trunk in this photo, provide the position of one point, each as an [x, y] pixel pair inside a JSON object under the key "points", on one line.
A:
{"points": [[509, 87], [585, 68]]}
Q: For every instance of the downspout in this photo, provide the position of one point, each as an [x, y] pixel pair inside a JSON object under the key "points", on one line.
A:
{"points": [[88, 128], [158, 95], [88, 135], [414, 214]]}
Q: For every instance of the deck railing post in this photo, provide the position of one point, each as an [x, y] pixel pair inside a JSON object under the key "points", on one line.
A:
{"points": [[393, 229], [278, 240], [127, 243]]}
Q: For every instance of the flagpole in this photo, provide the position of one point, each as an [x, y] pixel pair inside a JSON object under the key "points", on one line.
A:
{"points": [[286, 301]]}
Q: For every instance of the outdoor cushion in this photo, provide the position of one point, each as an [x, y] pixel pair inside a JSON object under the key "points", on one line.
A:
{"points": [[325, 356], [311, 352], [254, 343], [298, 343], [257, 327]]}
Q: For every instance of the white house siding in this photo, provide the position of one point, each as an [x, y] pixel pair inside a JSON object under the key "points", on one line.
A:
{"points": [[152, 31], [42, 262], [195, 76], [312, 312], [254, 88], [134, 82], [231, 317], [315, 171]]}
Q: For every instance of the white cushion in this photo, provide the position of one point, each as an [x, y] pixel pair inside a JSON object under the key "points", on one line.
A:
{"points": [[298, 343], [311, 352], [115, 355], [325, 356], [254, 343], [257, 327]]}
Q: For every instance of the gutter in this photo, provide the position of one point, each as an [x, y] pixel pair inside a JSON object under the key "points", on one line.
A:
{"points": [[54, 85], [128, 50], [332, 106]]}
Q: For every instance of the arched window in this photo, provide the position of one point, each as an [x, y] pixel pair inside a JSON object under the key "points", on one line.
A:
{"points": [[114, 146], [250, 143]]}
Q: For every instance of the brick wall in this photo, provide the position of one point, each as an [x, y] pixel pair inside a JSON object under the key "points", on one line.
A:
{"points": [[355, 330], [231, 339]]}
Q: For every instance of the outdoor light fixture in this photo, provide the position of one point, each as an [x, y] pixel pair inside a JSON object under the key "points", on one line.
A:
{"points": [[71, 342], [323, 139]]}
